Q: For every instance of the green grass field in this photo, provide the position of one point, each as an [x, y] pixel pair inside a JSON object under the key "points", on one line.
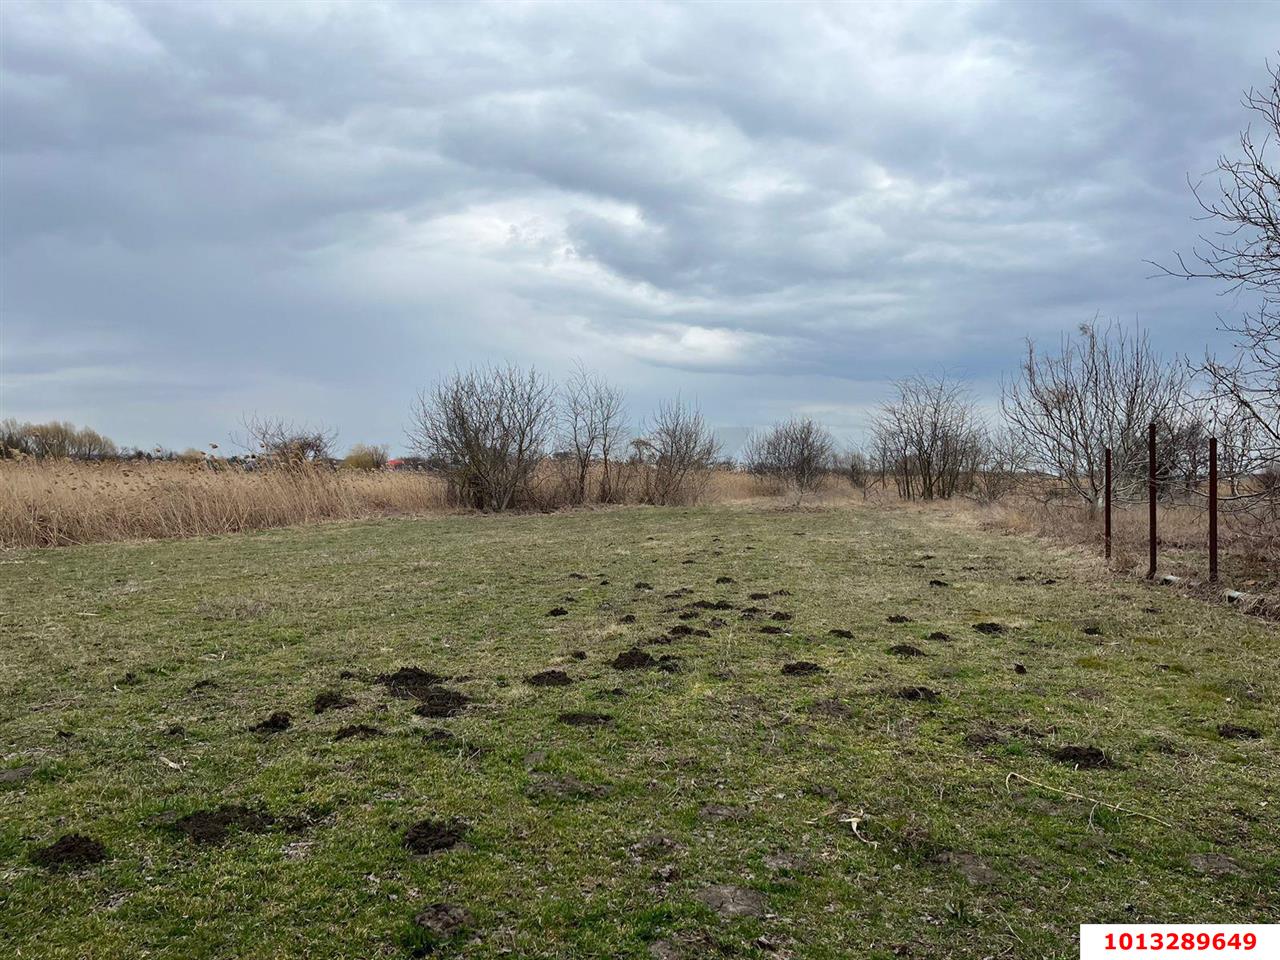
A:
{"points": [[713, 804]]}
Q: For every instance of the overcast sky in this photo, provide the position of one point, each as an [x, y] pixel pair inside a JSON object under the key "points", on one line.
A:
{"points": [[312, 210]]}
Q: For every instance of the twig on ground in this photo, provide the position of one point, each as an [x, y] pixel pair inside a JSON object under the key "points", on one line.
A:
{"points": [[1080, 796]]}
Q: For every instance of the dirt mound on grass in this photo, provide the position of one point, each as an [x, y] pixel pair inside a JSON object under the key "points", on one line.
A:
{"points": [[801, 668], [408, 683], [549, 678], [841, 633], [585, 718], [276, 723], [906, 650], [71, 850], [1085, 758], [214, 826], [438, 702], [331, 700], [431, 836], [1232, 731], [990, 628], [633, 659], [357, 731], [916, 693]]}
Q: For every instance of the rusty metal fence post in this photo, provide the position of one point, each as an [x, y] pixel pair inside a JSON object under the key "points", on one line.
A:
{"points": [[1106, 509], [1213, 509], [1151, 500]]}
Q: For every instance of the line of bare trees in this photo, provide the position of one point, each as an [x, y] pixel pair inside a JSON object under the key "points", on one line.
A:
{"points": [[492, 432]]}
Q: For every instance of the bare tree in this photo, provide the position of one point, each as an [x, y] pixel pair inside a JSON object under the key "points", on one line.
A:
{"points": [[675, 454], [1244, 253], [930, 437], [797, 452], [486, 430], [857, 468], [286, 442], [592, 424], [1101, 389]]}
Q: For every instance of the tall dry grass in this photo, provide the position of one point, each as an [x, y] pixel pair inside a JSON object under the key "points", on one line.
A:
{"points": [[60, 503], [57, 503]]}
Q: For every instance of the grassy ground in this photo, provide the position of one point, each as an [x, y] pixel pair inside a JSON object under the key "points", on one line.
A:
{"points": [[846, 819]]}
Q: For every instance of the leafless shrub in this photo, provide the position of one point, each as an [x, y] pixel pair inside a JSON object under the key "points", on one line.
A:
{"points": [[1002, 469], [486, 431], [1100, 389], [674, 455], [287, 443], [930, 438], [592, 426], [797, 453], [857, 469]]}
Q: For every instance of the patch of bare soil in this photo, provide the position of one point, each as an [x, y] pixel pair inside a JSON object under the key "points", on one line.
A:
{"points": [[831, 707], [841, 633], [1232, 731], [990, 628], [585, 718], [939, 636], [906, 650], [436, 702], [409, 683], [1085, 758], [567, 787], [442, 921], [916, 693], [627, 618], [16, 774], [557, 612], [970, 867], [432, 836], [276, 723], [730, 901], [331, 700], [70, 851], [771, 630], [214, 826], [633, 659], [357, 731], [1215, 863], [549, 678], [720, 811], [801, 668], [898, 618]]}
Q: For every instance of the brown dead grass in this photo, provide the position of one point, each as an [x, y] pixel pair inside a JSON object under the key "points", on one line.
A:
{"points": [[60, 503], [1248, 545], [57, 503]]}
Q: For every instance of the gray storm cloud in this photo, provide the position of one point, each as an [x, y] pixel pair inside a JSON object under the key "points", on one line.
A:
{"points": [[311, 210]]}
